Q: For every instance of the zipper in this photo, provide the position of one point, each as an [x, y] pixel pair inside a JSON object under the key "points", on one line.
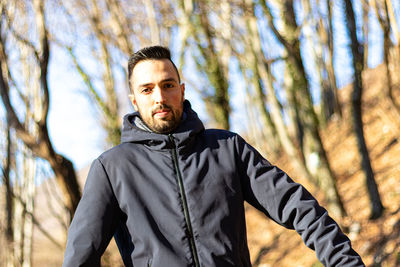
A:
{"points": [[190, 234]]}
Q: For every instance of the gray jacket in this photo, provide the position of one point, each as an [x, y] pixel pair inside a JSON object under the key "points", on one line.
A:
{"points": [[178, 200]]}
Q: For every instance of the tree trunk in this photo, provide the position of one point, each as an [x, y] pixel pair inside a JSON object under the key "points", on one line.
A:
{"points": [[329, 61], [254, 57], [209, 61], [26, 185], [268, 129], [317, 42], [22, 224], [282, 131], [27, 193], [311, 143], [395, 28], [387, 46], [254, 130], [260, 70], [365, 30], [109, 104], [356, 97], [9, 233], [152, 21], [215, 72], [18, 220]]}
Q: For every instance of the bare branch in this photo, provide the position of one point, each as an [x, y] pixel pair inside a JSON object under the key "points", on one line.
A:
{"points": [[279, 36], [44, 59], [11, 114], [121, 25], [89, 84], [152, 20], [8, 78], [23, 40], [392, 20]]}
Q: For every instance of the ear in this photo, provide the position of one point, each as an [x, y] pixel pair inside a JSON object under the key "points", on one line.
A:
{"points": [[182, 85], [133, 100]]}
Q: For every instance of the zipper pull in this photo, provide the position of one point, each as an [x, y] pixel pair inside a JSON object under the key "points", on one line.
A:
{"points": [[171, 138]]}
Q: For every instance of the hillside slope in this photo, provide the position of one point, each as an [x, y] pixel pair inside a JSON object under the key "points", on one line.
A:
{"points": [[377, 241]]}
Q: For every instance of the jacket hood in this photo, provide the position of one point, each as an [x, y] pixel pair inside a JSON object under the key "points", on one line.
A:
{"points": [[190, 126]]}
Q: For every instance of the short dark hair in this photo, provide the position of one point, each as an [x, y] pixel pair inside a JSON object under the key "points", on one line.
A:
{"points": [[149, 53]]}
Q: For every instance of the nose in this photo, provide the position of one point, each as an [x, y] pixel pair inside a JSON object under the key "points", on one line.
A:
{"points": [[158, 95]]}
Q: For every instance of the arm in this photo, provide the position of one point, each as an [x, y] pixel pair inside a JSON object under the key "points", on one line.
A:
{"points": [[273, 192], [94, 221]]}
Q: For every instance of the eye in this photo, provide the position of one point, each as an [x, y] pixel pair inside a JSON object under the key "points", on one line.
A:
{"points": [[145, 90], [168, 85]]}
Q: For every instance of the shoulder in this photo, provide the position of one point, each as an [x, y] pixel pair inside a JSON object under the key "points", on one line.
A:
{"points": [[220, 134], [223, 139], [119, 152]]}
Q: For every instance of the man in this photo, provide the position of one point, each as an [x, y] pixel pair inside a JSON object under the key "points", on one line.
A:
{"points": [[173, 193]]}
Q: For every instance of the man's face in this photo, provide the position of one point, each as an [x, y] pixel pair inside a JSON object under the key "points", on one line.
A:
{"points": [[157, 94]]}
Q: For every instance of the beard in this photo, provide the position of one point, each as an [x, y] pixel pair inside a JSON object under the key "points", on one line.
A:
{"points": [[162, 125]]}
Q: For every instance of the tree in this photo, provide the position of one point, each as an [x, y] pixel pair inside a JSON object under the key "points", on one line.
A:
{"points": [[318, 40], [329, 59], [395, 29], [39, 143], [356, 97], [365, 30], [262, 78], [299, 97], [9, 236], [196, 24], [253, 59], [382, 13]]}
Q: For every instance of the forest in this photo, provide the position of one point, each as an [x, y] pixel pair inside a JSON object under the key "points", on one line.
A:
{"points": [[297, 78]]}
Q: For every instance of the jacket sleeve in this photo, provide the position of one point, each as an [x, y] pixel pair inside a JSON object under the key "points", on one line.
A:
{"points": [[273, 192], [94, 221]]}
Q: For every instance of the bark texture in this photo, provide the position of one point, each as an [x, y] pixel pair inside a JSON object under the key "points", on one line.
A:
{"points": [[356, 49]]}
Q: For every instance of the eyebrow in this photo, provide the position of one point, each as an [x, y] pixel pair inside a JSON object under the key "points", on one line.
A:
{"points": [[163, 81]]}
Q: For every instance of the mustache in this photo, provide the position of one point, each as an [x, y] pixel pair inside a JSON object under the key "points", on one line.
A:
{"points": [[160, 107]]}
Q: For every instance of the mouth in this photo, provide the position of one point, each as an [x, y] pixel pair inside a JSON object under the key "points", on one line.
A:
{"points": [[162, 113]]}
